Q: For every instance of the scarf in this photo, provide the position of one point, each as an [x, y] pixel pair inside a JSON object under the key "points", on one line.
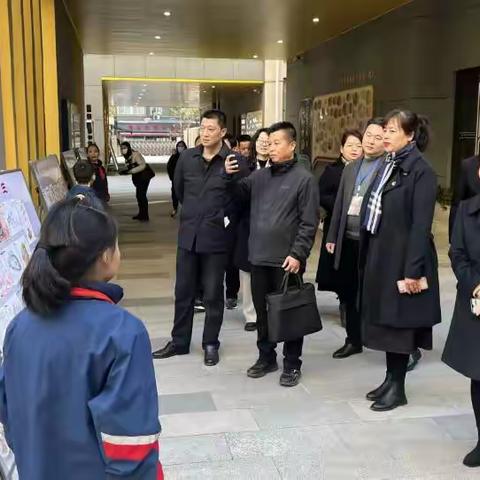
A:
{"points": [[374, 207], [282, 167]]}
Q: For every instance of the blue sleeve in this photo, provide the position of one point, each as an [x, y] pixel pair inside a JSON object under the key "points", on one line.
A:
{"points": [[125, 413]]}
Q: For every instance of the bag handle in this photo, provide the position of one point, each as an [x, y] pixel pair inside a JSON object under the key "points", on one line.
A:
{"points": [[286, 277]]}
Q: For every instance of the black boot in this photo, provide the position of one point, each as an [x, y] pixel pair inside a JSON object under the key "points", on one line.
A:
{"points": [[347, 350], [414, 359], [393, 397], [378, 393], [473, 458]]}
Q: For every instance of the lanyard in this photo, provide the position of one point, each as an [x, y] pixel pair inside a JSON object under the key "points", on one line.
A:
{"points": [[361, 180]]}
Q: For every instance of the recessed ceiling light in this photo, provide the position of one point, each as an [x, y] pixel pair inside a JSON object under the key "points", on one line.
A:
{"points": [[255, 56], [213, 86], [151, 53], [279, 41], [167, 13], [144, 84], [158, 37], [204, 91], [316, 20]]}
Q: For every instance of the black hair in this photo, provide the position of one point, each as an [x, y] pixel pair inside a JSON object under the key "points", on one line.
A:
{"points": [[350, 132], [218, 115], [244, 138], [411, 122], [287, 127], [231, 139], [129, 147], [83, 172], [93, 144], [380, 121], [181, 142], [73, 236], [253, 144]]}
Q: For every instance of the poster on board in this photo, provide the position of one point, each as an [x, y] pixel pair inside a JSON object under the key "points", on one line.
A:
{"points": [[50, 181]]}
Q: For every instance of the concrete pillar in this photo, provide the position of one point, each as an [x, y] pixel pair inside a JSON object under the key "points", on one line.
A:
{"points": [[273, 91]]}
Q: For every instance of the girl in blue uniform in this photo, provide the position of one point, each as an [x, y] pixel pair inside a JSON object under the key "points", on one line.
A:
{"points": [[77, 386]]}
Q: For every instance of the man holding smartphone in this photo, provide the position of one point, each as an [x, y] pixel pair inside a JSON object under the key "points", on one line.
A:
{"points": [[284, 219], [206, 216]]}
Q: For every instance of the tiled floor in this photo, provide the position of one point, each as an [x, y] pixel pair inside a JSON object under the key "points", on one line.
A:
{"points": [[219, 424]]}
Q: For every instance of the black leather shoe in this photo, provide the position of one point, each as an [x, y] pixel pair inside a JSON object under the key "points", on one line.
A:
{"points": [[290, 378], [394, 397], [261, 368], [211, 355], [414, 359], [250, 326], [136, 217], [231, 304], [473, 458], [347, 350], [169, 350], [378, 393]]}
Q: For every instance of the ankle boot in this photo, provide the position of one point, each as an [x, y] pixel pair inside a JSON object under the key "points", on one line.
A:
{"points": [[393, 397], [380, 391], [473, 458]]}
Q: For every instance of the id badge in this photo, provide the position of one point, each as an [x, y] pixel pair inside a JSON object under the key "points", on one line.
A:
{"points": [[355, 206]]}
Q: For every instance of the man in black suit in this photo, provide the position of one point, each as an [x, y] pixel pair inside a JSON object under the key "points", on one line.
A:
{"points": [[207, 208]]}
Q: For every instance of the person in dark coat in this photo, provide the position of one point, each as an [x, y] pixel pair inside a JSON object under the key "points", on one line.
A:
{"points": [[142, 174], [100, 184], [462, 351], [351, 149], [342, 245], [468, 186], [284, 216], [171, 165], [400, 299], [203, 238], [258, 159]]}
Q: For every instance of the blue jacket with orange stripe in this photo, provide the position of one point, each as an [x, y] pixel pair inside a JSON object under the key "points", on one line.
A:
{"points": [[78, 392]]}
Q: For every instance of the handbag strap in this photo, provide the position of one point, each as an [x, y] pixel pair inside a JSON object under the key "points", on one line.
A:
{"points": [[286, 277]]}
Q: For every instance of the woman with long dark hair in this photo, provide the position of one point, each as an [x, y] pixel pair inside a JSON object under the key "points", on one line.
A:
{"points": [[171, 165], [398, 262], [78, 396], [100, 183], [141, 174]]}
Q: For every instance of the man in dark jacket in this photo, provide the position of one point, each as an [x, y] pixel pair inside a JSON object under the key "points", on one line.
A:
{"points": [[207, 206], [283, 224]]}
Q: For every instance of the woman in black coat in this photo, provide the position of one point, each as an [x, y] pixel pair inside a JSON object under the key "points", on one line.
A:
{"points": [[462, 351], [100, 184], [171, 165], [327, 277], [400, 300]]}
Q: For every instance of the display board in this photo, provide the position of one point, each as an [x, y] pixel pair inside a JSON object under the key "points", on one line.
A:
{"points": [[50, 181], [69, 159], [305, 123], [19, 232], [334, 113], [251, 122]]}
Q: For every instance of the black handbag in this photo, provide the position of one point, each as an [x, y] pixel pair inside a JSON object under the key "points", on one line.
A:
{"points": [[292, 311]]}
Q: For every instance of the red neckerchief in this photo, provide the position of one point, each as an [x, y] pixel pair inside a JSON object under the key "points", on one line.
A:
{"points": [[86, 293]]}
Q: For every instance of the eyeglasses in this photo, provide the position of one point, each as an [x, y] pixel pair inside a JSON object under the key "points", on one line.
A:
{"points": [[263, 142]]}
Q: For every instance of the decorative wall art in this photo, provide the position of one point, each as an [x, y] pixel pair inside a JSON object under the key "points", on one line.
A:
{"points": [[335, 112], [305, 124]]}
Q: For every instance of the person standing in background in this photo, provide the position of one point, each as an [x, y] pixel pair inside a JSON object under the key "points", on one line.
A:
{"points": [[351, 150], [141, 174], [244, 145], [400, 298], [344, 232], [258, 159], [100, 184], [171, 165]]}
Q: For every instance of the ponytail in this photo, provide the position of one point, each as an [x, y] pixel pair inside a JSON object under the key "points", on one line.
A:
{"points": [[44, 289], [422, 133], [410, 122], [73, 237]]}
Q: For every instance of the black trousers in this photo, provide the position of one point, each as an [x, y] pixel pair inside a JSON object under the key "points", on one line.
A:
{"points": [[397, 364], [232, 279], [192, 268], [349, 290], [266, 280], [475, 394], [174, 199], [142, 200]]}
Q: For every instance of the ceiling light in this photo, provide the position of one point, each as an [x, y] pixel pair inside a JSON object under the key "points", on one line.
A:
{"points": [[158, 37], [213, 86], [167, 13], [280, 41], [204, 91], [144, 84], [255, 56], [316, 20], [151, 53]]}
